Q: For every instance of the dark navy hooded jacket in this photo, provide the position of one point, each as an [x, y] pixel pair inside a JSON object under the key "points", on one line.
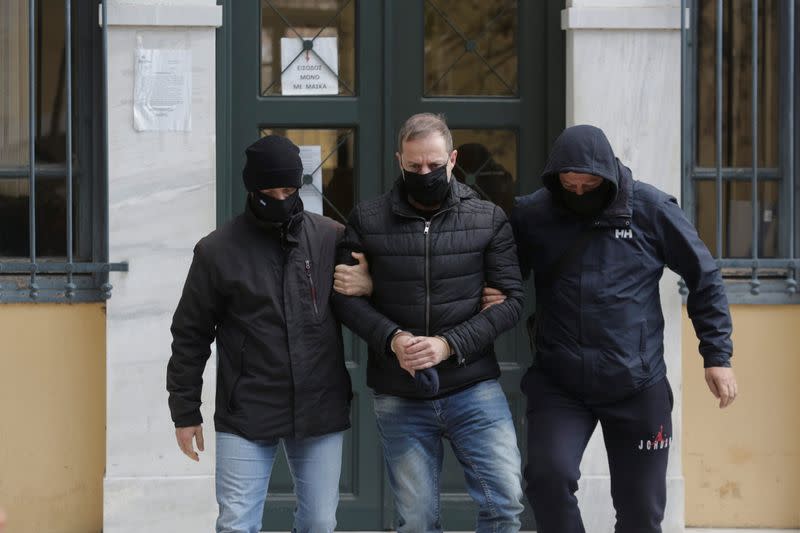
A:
{"points": [[599, 324]]}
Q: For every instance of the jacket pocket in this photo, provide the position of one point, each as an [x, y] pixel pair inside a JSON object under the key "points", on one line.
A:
{"points": [[530, 326], [643, 347], [670, 396], [232, 403]]}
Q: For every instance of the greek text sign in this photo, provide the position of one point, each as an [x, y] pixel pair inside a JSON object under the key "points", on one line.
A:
{"points": [[309, 72]]}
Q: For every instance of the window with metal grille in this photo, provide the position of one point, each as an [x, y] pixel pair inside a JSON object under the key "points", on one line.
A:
{"points": [[740, 151], [53, 200]]}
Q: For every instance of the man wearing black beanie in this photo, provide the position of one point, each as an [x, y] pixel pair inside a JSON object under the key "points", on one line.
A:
{"points": [[260, 285]]}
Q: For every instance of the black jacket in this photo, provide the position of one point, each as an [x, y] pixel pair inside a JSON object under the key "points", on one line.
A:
{"points": [[428, 277], [265, 298], [600, 327]]}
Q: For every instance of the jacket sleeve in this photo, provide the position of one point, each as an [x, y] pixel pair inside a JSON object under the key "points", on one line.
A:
{"points": [[502, 272], [707, 303], [193, 330], [356, 312], [525, 265]]}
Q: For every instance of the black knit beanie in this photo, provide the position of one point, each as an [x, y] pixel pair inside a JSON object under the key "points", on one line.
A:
{"points": [[272, 162]]}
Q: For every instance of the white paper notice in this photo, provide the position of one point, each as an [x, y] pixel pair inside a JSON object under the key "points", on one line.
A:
{"points": [[313, 71], [162, 90], [311, 193]]}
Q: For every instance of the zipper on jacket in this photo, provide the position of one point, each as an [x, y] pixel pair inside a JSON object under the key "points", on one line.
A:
{"points": [[311, 285], [427, 233]]}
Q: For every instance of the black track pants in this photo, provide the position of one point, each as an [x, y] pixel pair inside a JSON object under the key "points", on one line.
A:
{"points": [[637, 433]]}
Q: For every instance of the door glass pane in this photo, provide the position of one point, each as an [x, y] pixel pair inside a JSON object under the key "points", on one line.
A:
{"points": [[470, 48], [328, 185], [317, 40], [487, 162], [737, 217]]}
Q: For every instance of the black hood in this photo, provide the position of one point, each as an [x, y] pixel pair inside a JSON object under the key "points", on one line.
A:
{"points": [[586, 149], [583, 149]]}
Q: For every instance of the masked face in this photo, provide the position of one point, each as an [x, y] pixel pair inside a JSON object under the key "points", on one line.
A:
{"points": [[589, 203], [427, 189], [426, 165], [272, 209]]}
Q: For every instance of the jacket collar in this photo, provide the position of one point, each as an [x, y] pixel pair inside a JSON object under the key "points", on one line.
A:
{"points": [[619, 212]]}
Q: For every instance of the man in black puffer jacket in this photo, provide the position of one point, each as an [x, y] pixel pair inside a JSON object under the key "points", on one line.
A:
{"points": [[261, 285], [432, 247]]}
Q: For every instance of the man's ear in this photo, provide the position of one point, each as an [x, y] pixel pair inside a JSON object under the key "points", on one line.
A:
{"points": [[451, 163]]}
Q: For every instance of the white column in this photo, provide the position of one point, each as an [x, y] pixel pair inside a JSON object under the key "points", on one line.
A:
{"points": [[161, 201], [623, 75]]}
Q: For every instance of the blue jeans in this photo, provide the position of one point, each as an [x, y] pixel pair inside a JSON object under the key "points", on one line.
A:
{"points": [[478, 424], [243, 472]]}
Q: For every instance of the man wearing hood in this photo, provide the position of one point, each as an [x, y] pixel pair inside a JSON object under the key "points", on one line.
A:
{"points": [[260, 285], [598, 241], [432, 245]]}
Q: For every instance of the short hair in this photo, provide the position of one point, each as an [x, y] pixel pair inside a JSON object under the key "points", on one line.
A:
{"points": [[420, 126]]}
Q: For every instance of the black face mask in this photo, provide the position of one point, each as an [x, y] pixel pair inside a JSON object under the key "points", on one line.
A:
{"points": [[270, 209], [428, 189], [589, 203]]}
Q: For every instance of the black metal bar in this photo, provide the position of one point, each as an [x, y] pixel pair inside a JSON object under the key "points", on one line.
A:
{"points": [[683, 104], [32, 140], [105, 288], [791, 282], [42, 171], [754, 284], [70, 286], [718, 157], [758, 263], [735, 174], [47, 267]]}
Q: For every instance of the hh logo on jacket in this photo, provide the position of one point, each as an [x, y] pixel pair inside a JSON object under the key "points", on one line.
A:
{"points": [[623, 234]]}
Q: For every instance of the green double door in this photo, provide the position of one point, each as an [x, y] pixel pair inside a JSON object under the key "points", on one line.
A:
{"points": [[339, 77]]}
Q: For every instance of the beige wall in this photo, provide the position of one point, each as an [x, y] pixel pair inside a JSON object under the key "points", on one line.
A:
{"points": [[742, 464], [52, 416]]}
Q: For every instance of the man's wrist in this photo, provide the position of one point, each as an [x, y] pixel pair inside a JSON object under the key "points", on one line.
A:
{"points": [[396, 334], [448, 348], [720, 360]]}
